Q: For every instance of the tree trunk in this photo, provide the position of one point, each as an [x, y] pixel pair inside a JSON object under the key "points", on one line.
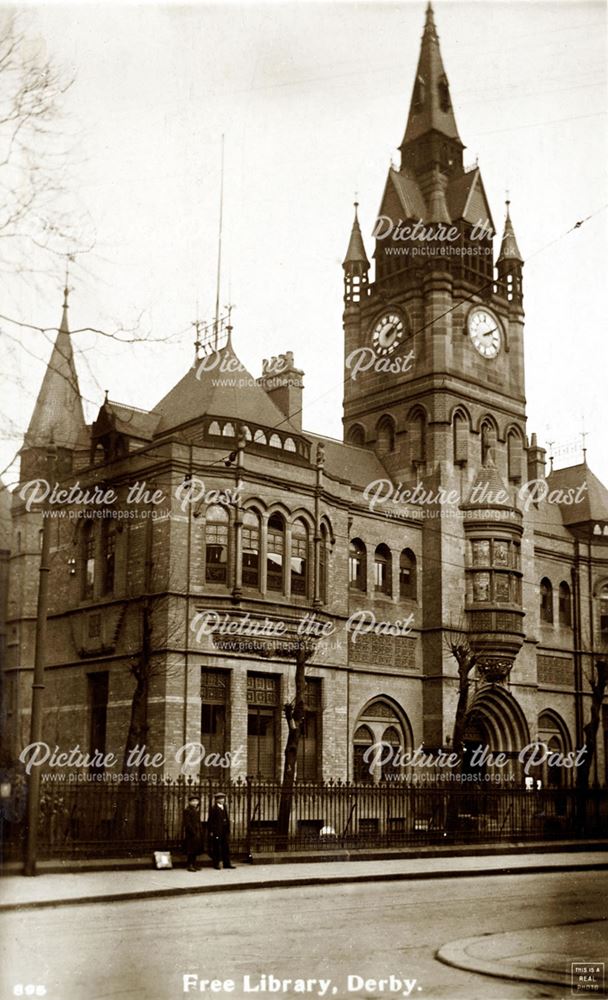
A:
{"points": [[465, 662], [295, 714], [598, 690]]}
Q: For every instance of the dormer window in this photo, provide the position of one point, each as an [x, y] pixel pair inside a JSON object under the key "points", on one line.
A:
{"points": [[444, 95]]}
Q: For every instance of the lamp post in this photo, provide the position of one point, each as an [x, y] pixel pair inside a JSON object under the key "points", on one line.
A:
{"points": [[33, 798]]}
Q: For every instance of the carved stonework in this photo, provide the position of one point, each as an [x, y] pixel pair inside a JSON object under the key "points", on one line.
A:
{"points": [[494, 670]]}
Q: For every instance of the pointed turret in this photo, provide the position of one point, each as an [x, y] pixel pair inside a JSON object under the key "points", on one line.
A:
{"points": [[508, 248], [58, 415], [431, 106], [356, 265], [510, 263]]}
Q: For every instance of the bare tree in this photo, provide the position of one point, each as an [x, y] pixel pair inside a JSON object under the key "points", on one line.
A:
{"points": [[295, 714], [457, 642], [598, 681], [35, 149]]}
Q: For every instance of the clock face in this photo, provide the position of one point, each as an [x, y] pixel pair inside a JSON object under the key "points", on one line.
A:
{"points": [[387, 333], [484, 332]]}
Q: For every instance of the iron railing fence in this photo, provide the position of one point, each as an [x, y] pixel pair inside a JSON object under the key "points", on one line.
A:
{"points": [[113, 820]]}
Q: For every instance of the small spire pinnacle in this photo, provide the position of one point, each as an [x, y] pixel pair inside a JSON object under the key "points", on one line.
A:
{"points": [[509, 249], [355, 253]]}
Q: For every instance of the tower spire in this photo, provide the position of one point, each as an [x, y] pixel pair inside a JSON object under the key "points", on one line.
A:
{"points": [[58, 415], [356, 247], [431, 105]]}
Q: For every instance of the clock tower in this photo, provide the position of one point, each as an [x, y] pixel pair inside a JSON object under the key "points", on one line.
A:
{"points": [[434, 377]]}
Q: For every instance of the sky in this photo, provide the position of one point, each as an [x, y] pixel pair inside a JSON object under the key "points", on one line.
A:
{"points": [[312, 100]]}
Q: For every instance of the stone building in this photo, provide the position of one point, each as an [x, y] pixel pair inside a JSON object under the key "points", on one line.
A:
{"points": [[215, 531]]}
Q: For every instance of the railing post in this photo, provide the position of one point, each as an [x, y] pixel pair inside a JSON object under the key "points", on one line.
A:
{"points": [[249, 857]]}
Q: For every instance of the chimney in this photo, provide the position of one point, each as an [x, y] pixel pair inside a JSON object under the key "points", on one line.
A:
{"points": [[536, 460], [283, 383]]}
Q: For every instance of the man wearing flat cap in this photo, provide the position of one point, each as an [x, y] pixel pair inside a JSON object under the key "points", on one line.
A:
{"points": [[218, 828], [192, 832]]}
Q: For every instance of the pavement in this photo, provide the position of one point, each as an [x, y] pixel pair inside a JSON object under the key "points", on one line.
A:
{"points": [[534, 955]]}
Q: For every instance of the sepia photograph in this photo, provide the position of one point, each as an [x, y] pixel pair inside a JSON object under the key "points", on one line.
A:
{"points": [[303, 499]]}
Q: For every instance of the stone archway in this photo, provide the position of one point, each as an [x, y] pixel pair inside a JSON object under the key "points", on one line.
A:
{"points": [[495, 720]]}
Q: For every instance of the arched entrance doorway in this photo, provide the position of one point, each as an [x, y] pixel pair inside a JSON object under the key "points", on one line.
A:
{"points": [[496, 723], [381, 731]]}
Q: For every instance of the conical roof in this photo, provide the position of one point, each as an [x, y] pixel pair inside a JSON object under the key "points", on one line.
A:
{"points": [[488, 490], [219, 385], [431, 105], [508, 248], [58, 415], [355, 253]]}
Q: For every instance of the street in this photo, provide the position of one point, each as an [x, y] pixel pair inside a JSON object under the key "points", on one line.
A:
{"points": [[388, 931]]}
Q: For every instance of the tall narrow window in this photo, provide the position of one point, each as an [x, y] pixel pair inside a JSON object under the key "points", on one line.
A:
{"points": [[514, 456], [363, 740], [461, 439], [262, 725], [214, 710], [251, 549], [88, 560], [108, 554], [546, 600], [565, 605], [275, 550], [216, 544], [385, 436], [299, 558], [407, 575], [418, 439], [392, 740], [98, 713], [488, 442], [357, 565], [604, 613], [383, 570], [309, 744], [323, 558]]}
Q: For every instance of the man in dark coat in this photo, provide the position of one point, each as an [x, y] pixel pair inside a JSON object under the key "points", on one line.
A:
{"points": [[218, 828], [192, 832]]}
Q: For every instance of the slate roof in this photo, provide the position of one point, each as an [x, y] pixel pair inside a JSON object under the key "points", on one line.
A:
{"points": [[234, 394], [593, 503], [58, 414], [349, 462]]}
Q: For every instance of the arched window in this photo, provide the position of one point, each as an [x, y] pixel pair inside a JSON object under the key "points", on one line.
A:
{"points": [[604, 613], [251, 549], [407, 575], [275, 552], [417, 437], [323, 559], [554, 733], [228, 430], [357, 565], [385, 436], [259, 437], [379, 725], [383, 570], [275, 441], [363, 739], [356, 435], [289, 444], [88, 561], [461, 439], [488, 442], [214, 428], [546, 600], [299, 558], [216, 544], [108, 555], [514, 456], [565, 605]]}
